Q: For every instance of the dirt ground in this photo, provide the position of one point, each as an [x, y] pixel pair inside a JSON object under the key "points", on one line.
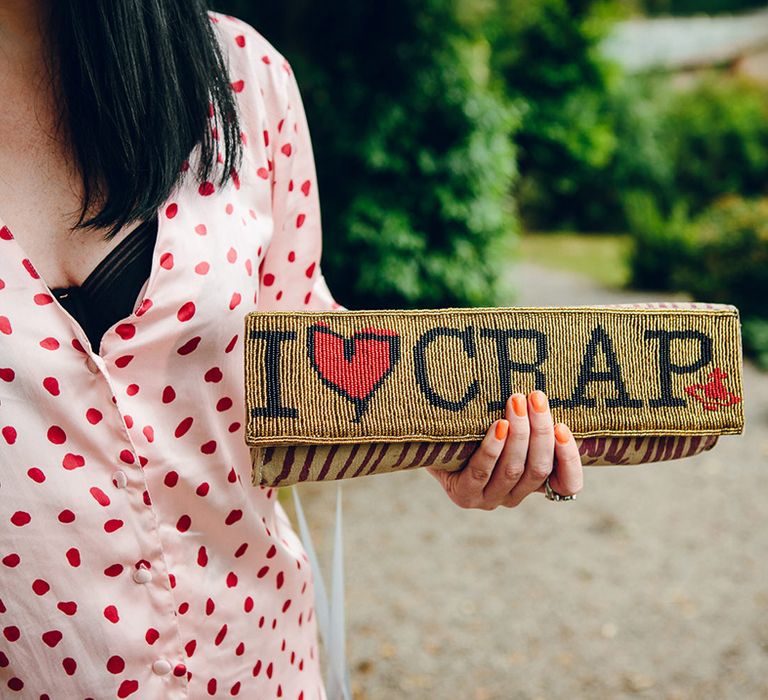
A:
{"points": [[652, 584]]}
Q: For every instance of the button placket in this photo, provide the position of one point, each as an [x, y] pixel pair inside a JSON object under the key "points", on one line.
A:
{"points": [[142, 573]]}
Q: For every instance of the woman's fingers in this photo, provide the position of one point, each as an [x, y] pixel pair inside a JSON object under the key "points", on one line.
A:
{"points": [[472, 480], [568, 475], [541, 449], [511, 462], [465, 487], [515, 457]]}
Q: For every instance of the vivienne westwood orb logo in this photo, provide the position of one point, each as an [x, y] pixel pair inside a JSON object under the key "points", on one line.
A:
{"points": [[353, 367], [713, 395]]}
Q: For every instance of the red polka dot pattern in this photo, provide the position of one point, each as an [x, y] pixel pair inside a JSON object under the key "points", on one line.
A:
{"points": [[140, 561]]}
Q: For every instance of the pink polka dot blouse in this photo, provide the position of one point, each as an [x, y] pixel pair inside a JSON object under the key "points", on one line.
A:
{"points": [[136, 558]]}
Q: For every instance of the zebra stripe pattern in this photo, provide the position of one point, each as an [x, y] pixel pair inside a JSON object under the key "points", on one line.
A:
{"points": [[286, 465]]}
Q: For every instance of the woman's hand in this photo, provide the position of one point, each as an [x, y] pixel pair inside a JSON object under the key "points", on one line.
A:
{"points": [[515, 458]]}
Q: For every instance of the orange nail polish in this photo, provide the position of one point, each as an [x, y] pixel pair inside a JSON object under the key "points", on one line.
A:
{"points": [[562, 433], [539, 401], [518, 403], [502, 427]]}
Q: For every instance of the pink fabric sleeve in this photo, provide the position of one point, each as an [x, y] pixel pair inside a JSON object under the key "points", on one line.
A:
{"points": [[290, 275]]}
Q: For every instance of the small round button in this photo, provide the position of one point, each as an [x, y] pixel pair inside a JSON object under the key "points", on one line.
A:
{"points": [[91, 364], [120, 479], [161, 667], [142, 575]]}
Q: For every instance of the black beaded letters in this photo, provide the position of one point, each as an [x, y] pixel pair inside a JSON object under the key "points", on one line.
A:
{"points": [[420, 366], [356, 366], [507, 366], [588, 374], [273, 409], [666, 368]]}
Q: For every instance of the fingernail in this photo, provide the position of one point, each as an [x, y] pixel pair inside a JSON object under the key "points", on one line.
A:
{"points": [[539, 401], [518, 403], [501, 429], [562, 433]]}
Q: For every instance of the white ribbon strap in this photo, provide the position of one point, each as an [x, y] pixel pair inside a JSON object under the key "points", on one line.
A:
{"points": [[330, 614]]}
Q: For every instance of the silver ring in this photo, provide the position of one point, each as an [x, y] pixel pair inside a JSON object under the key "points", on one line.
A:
{"points": [[553, 495]]}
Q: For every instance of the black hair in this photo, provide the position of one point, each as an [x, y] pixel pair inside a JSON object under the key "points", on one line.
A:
{"points": [[138, 82]]}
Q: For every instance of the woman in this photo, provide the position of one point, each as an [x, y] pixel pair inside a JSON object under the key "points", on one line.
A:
{"points": [[158, 184]]}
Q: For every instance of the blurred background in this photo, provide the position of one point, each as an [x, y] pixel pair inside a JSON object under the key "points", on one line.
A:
{"points": [[450, 135], [501, 152]]}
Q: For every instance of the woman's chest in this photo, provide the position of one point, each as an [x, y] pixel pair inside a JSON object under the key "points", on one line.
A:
{"points": [[40, 203], [204, 272]]}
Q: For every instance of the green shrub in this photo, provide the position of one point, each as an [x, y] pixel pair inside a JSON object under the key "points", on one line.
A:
{"points": [[546, 55], [755, 332], [591, 138], [719, 256], [729, 260], [660, 244], [730, 264], [642, 162], [693, 7], [717, 136], [683, 149]]}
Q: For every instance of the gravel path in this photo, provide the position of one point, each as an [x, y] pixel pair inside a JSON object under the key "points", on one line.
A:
{"points": [[653, 584]]}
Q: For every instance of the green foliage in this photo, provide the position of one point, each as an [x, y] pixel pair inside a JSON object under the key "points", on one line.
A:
{"points": [[683, 148], [728, 260], [546, 54], [755, 333], [413, 147], [692, 230], [719, 256], [730, 264], [659, 243], [641, 163], [718, 140], [592, 139], [691, 7]]}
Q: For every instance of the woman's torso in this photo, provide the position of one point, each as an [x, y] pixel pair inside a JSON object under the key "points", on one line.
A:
{"points": [[134, 459]]}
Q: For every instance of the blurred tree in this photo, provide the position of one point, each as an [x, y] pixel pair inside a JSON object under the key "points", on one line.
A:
{"points": [[642, 163], [691, 7], [413, 148], [546, 53], [679, 151], [721, 255], [717, 137]]}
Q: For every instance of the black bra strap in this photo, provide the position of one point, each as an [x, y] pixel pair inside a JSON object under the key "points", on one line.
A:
{"points": [[110, 292]]}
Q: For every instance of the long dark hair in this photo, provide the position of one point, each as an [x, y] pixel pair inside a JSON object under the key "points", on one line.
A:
{"points": [[138, 82]]}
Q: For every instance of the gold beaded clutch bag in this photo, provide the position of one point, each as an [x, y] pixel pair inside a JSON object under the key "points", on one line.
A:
{"points": [[339, 394]]}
